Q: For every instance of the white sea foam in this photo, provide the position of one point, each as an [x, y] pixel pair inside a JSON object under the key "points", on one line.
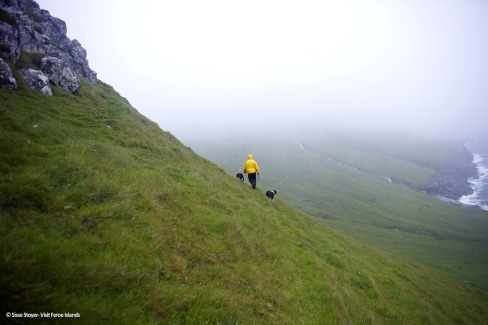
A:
{"points": [[478, 184]]}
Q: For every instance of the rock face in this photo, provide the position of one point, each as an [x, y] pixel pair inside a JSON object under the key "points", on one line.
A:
{"points": [[38, 80], [7, 79], [60, 73], [24, 27]]}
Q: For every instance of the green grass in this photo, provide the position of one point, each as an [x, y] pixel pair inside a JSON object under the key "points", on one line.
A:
{"points": [[342, 183], [104, 214], [29, 60]]}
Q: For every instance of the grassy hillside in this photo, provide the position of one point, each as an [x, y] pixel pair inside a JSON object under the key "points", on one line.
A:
{"points": [[105, 215], [358, 188]]}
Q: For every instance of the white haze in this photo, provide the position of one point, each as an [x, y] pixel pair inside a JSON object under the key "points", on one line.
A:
{"points": [[214, 68]]}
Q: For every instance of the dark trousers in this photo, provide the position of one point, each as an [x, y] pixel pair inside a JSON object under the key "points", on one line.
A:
{"points": [[252, 179]]}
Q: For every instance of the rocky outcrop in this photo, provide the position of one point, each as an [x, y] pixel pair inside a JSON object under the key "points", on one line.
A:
{"points": [[60, 73], [38, 80], [452, 180], [7, 79], [24, 27]]}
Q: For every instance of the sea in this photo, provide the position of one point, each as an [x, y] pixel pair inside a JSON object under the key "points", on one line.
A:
{"points": [[479, 183]]}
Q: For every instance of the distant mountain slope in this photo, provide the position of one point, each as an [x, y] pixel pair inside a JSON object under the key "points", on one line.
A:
{"points": [[105, 215], [367, 186]]}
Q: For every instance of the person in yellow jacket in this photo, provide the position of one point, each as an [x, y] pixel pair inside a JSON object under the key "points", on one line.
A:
{"points": [[251, 168]]}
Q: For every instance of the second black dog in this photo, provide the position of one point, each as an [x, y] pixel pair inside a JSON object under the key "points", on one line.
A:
{"points": [[271, 194]]}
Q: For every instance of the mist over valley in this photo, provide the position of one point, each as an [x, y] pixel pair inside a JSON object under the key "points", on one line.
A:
{"points": [[395, 190]]}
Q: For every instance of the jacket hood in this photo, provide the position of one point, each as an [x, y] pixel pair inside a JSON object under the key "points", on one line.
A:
{"points": [[249, 157]]}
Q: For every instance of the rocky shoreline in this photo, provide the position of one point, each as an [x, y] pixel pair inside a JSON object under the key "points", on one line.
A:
{"points": [[451, 181]]}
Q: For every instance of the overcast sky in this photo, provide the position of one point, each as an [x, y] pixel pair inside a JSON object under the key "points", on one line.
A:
{"points": [[201, 68]]}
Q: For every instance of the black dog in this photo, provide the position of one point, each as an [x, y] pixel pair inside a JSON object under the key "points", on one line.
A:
{"points": [[240, 176], [271, 194]]}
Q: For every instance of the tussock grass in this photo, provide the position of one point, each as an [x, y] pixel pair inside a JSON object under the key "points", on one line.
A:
{"points": [[104, 214], [340, 180]]}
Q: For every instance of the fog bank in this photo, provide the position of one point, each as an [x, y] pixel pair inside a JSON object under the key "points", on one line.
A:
{"points": [[219, 67]]}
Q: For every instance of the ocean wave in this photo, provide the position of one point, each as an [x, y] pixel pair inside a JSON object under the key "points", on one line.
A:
{"points": [[477, 184]]}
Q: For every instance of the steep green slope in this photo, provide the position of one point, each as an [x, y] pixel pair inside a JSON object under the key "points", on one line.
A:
{"points": [[105, 215], [344, 184]]}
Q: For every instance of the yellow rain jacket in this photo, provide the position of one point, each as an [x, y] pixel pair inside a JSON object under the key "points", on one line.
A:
{"points": [[251, 166]]}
